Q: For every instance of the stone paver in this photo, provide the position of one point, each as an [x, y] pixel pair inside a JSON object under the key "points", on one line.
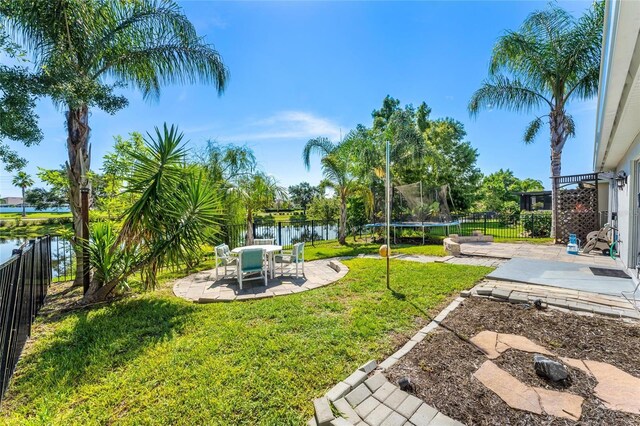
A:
{"points": [[442, 420], [409, 406], [511, 390], [346, 410], [323, 411], [423, 415], [203, 288], [394, 419], [338, 391], [616, 388], [375, 381], [377, 416], [358, 395], [384, 391], [367, 406]]}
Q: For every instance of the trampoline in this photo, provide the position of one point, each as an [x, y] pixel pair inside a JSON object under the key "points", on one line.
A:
{"points": [[416, 225]]}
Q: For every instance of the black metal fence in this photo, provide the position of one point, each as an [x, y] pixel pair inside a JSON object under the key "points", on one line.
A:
{"points": [[24, 281], [285, 234]]}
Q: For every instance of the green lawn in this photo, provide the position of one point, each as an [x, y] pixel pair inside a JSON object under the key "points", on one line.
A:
{"points": [[156, 359], [33, 215], [331, 248]]}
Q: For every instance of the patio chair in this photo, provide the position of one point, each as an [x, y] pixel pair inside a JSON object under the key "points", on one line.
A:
{"points": [[264, 241], [224, 258], [293, 257], [250, 262]]}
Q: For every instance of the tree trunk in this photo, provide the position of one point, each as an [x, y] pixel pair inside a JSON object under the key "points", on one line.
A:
{"points": [[248, 240], [24, 210], [77, 168], [557, 124], [342, 228]]}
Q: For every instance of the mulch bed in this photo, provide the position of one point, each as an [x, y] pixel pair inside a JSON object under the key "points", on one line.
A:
{"points": [[441, 367]]}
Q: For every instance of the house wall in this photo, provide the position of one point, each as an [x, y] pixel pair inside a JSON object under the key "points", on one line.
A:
{"points": [[627, 205]]}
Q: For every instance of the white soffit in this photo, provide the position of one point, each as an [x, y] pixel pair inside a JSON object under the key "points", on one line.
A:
{"points": [[621, 120]]}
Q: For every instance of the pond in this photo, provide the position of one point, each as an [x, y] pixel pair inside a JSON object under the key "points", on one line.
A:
{"points": [[61, 254]]}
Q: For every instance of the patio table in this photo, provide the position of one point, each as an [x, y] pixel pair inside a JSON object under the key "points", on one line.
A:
{"points": [[270, 250]]}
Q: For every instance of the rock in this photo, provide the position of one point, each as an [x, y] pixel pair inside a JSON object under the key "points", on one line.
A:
{"points": [[550, 369]]}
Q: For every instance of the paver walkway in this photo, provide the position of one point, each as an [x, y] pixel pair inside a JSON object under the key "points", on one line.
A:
{"points": [[535, 251], [202, 287]]}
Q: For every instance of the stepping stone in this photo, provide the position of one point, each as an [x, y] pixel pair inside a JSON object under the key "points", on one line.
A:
{"points": [[338, 391], [346, 411], [359, 394], [356, 378], [486, 341], [576, 363], [374, 382], [617, 389], [409, 406], [522, 343], [560, 404], [323, 411], [394, 400], [377, 416], [424, 415], [367, 406], [339, 421], [511, 390], [369, 366], [394, 419], [442, 420], [384, 391]]}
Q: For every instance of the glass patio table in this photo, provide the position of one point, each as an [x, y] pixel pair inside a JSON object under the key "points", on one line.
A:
{"points": [[269, 249]]}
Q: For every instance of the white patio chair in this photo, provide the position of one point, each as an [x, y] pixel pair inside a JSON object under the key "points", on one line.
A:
{"points": [[251, 261], [293, 257], [264, 241], [224, 258]]}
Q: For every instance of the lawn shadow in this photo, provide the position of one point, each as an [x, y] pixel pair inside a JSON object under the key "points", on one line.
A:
{"points": [[96, 341]]}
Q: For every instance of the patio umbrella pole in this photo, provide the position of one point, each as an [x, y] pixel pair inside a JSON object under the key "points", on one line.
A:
{"points": [[388, 213]]}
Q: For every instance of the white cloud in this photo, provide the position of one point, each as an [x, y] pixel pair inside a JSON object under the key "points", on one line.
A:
{"points": [[286, 125]]}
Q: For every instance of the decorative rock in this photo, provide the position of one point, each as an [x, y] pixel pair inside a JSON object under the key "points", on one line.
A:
{"points": [[323, 411], [550, 369]]}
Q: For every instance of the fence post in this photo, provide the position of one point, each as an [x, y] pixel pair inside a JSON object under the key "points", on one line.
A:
{"points": [[532, 225], [8, 323], [485, 224], [280, 233], [313, 232]]}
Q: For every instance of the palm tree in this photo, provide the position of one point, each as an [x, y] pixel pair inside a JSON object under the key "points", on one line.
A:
{"points": [[256, 192], [338, 175], [89, 48], [552, 60], [176, 210], [22, 181]]}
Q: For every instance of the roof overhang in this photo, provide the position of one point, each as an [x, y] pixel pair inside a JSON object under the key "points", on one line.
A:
{"points": [[618, 110]]}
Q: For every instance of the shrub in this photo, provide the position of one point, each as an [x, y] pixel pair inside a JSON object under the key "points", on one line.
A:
{"points": [[536, 225]]}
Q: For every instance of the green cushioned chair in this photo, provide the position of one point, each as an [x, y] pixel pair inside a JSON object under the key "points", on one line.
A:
{"points": [[250, 262]]}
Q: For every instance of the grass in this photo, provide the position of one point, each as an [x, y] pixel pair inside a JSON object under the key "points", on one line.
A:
{"points": [[156, 359], [33, 215], [33, 230], [331, 248]]}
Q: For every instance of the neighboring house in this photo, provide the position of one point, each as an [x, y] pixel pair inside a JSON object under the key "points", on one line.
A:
{"points": [[617, 141], [11, 201]]}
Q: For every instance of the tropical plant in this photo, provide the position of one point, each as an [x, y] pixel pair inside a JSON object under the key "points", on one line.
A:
{"points": [[323, 209], [176, 211], [302, 195], [89, 48], [337, 168], [23, 181], [256, 192], [553, 59]]}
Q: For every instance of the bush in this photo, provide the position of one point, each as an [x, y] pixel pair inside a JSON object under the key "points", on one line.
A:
{"points": [[509, 213], [536, 225]]}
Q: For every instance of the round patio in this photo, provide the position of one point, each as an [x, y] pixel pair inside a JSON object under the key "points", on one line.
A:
{"points": [[202, 287]]}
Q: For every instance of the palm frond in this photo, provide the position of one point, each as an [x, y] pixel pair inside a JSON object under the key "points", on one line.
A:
{"points": [[532, 130], [502, 92], [321, 145]]}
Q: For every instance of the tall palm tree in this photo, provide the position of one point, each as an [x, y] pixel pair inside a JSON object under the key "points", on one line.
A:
{"points": [[89, 48], [552, 60], [256, 192], [338, 175], [22, 181]]}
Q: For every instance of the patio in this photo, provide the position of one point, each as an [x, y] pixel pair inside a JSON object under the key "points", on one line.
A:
{"points": [[202, 287]]}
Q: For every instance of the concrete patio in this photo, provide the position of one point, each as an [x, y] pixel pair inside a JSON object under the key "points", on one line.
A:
{"points": [[202, 287]]}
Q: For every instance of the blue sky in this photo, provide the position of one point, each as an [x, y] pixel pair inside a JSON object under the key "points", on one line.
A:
{"points": [[306, 69]]}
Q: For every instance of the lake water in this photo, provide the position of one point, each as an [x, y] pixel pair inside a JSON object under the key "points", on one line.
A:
{"points": [[7, 246], [63, 209]]}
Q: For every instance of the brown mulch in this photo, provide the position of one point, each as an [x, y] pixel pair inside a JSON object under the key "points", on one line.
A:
{"points": [[441, 367]]}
